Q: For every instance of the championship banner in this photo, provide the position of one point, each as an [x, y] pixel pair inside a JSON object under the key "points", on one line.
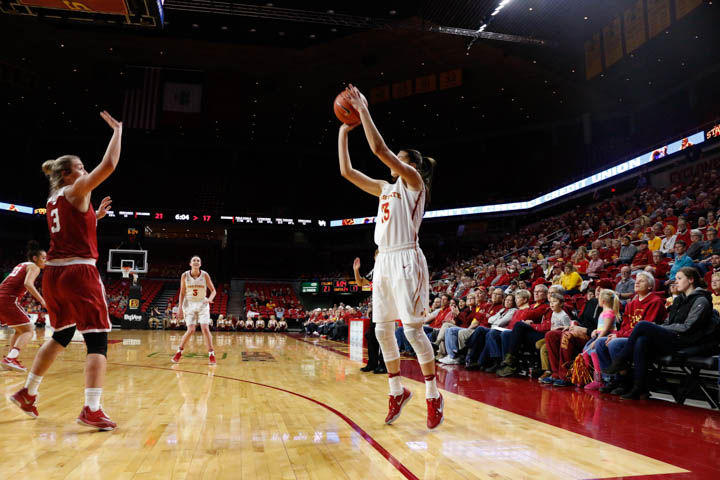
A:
{"points": [[683, 7], [658, 12], [612, 41], [634, 23], [593, 57], [92, 6]]}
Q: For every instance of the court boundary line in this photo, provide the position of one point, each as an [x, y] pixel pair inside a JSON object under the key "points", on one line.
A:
{"points": [[366, 436]]}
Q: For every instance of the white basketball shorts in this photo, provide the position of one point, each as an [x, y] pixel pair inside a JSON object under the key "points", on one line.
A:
{"points": [[196, 312], [401, 285]]}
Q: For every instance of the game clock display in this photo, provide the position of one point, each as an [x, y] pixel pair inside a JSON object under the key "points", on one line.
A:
{"points": [[330, 287]]}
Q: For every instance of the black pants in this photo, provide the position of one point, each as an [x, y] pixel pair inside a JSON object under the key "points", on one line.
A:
{"points": [[523, 335], [646, 341], [375, 358]]}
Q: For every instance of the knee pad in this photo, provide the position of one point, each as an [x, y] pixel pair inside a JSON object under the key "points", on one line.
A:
{"points": [[385, 334], [96, 342], [420, 342], [64, 336]]}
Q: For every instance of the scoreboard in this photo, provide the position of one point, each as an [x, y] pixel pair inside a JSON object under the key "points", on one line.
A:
{"points": [[328, 287]]}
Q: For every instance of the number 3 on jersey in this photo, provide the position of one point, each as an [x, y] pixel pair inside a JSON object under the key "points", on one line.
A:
{"points": [[386, 212], [55, 215]]}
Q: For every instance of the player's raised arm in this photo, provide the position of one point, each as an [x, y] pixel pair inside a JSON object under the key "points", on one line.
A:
{"points": [[356, 177], [87, 183], [377, 143]]}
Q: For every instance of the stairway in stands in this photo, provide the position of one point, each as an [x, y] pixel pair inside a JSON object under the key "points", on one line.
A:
{"points": [[236, 305], [161, 301]]}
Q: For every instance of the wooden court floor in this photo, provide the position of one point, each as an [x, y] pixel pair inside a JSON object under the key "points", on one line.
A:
{"points": [[275, 407]]}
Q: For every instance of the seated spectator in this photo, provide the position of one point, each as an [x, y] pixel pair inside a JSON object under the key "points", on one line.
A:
{"points": [[691, 321], [667, 246], [497, 339], [570, 279], [627, 252], [642, 258], [713, 268], [653, 241], [681, 259], [715, 290], [524, 335], [711, 246], [607, 321], [596, 264], [564, 345], [559, 320], [683, 233], [694, 251], [625, 288], [645, 306]]}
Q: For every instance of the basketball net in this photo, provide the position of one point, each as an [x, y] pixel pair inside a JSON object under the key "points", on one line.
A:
{"points": [[125, 271]]}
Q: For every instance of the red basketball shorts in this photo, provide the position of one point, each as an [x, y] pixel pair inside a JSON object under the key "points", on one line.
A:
{"points": [[11, 313], [75, 297]]}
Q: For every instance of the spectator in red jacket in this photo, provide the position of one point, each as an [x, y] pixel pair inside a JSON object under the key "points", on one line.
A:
{"points": [[642, 258], [659, 268]]}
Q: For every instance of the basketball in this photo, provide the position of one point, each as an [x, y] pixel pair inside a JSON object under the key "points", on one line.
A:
{"points": [[345, 112]]}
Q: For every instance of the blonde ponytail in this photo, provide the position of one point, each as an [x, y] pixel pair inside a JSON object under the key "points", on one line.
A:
{"points": [[608, 296], [54, 170]]}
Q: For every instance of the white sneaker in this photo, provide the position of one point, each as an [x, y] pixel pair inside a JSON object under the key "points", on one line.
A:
{"points": [[448, 360]]}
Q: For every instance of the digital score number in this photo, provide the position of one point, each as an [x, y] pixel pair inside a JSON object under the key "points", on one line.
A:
{"points": [[326, 287]]}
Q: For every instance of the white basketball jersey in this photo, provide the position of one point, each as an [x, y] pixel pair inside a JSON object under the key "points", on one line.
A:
{"points": [[399, 216], [195, 288]]}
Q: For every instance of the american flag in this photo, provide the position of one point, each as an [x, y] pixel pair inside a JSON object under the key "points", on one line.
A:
{"points": [[142, 98]]}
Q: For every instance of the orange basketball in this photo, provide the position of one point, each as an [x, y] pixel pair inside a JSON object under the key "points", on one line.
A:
{"points": [[345, 112]]}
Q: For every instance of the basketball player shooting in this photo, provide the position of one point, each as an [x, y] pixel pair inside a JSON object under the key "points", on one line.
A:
{"points": [[401, 285]]}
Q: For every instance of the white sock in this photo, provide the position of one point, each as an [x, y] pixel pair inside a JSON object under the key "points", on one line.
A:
{"points": [[180, 349], [32, 383], [14, 352], [92, 398], [431, 390], [211, 352], [396, 387]]}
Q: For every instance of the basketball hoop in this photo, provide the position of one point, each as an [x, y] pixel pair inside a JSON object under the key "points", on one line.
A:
{"points": [[126, 271]]}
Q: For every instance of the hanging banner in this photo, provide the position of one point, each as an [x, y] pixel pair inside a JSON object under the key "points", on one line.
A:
{"points": [[658, 13], [593, 57], [612, 41], [683, 7], [634, 23]]}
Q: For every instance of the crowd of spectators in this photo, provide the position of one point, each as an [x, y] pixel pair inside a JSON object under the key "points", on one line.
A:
{"points": [[588, 297], [331, 323]]}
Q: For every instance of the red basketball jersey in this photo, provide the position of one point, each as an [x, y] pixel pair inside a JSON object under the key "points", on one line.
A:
{"points": [[72, 233], [14, 284]]}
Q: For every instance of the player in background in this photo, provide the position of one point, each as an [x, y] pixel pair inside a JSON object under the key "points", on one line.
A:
{"points": [[401, 286], [12, 290], [74, 293], [194, 306]]}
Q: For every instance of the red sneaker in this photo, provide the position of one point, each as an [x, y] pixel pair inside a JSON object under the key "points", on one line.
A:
{"points": [[211, 358], [396, 404], [435, 411], [25, 401], [96, 419], [12, 364], [176, 357]]}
